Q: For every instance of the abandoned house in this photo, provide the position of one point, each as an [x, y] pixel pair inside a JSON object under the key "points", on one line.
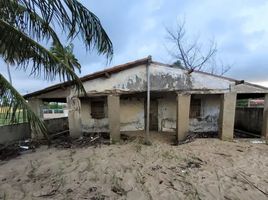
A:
{"points": [[122, 97]]}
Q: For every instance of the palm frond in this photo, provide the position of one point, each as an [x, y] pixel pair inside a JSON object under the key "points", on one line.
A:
{"points": [[65, 54], [13, 107], [29, 53], [73, 18], [27, 21]]}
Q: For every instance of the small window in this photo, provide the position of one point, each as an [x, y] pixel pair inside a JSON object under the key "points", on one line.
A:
{"points": [[195, 108], [97, 109]]}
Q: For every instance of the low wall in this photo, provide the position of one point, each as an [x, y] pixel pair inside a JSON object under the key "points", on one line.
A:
{"points": [[249, 119], [22, 131], [14, 132], [56, 125]]}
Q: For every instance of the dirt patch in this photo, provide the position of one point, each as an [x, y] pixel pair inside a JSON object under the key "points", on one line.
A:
{"points": [[203, 169]]}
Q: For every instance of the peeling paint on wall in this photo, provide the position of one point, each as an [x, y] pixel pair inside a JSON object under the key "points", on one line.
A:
{"points": [[162, 79], [167, 114], [207, 122], [131, 116], [169, 82]]}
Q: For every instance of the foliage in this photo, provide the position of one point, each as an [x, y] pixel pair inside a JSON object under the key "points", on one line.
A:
{"points": [[65, 54], [54, 106], [24, 24], [242, 103]]}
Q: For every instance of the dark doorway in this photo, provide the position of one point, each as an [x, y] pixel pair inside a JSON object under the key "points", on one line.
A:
{"points": [[153, 115]]}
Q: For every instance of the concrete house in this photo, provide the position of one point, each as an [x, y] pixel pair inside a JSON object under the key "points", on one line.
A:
{"points": [[145, 95]]}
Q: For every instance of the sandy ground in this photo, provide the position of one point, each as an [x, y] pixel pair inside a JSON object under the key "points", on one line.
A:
{"points": [[204, 169]]}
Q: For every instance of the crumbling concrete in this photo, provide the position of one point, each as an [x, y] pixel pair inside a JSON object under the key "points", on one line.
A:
{"points": [[227, 116], [183, 109], [164, 79], [265, 118], [74, 117], [37, 107], [114, 117], [206, 122], [132, 114]]}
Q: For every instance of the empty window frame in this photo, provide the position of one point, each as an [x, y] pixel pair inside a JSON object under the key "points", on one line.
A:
{"points": [[195, 108], [97, 109]]}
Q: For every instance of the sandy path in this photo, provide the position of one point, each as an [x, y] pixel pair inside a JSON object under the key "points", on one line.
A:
{"points": [[204, 169]]}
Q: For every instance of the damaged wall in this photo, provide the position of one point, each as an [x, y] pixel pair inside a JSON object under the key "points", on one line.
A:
{"points": [[88, 123], [131, 116], [210, 109], [167, 114], [172, 78], [133, 79], [162, 78], [207, 122]]}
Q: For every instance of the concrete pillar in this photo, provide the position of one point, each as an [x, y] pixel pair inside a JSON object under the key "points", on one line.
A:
{"points": [[114, 117], [227, 116], [37, 107], [183, 112], [265, 118], [74, 117]]}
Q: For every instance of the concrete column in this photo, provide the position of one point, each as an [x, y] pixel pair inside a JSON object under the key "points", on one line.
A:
{"points": [[74, 116], [114, 117], [183, 112], [227, 116], [37, 107], [265, 118]]}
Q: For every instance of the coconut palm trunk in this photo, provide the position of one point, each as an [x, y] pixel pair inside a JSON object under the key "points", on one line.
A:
{"points": [[9, 74]]}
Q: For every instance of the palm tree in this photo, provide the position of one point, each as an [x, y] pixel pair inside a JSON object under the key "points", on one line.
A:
{"points": [[65, 54], [26, 23]]}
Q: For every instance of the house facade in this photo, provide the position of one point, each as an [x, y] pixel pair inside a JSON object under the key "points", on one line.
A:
{"points": [[145, 95]]}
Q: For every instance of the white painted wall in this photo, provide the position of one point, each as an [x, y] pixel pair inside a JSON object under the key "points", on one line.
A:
{"points": [[210, 109], [56, 115], [133, 79], [208, 122], [162, 79], [169, 78], [167, 114], [88, 123], [131, 116]]}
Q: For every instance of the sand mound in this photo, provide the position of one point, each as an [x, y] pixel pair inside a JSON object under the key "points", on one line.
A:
{"points": [[203, 169]]}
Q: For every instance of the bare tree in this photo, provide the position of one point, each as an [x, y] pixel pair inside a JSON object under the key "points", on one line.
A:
{"points": [[192, 56]]}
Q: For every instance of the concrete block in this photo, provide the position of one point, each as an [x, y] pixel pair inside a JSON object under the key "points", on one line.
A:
{"points": [[74, 117], [227, 116], [183, 110], [37, 107], [114, 117]]}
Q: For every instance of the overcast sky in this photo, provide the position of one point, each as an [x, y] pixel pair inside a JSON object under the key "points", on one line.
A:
{"points": [[137, 29]]}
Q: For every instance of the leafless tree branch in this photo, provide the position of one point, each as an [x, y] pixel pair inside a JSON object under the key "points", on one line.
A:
{"points": [[191, 55]]}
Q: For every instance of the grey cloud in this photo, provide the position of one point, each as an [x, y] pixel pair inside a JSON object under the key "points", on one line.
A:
{"points": [[137, 29]]}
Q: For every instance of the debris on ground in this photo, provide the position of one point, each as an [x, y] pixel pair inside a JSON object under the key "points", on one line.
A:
{"points": [[84, 141], [203, 169], [16, 148]]}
